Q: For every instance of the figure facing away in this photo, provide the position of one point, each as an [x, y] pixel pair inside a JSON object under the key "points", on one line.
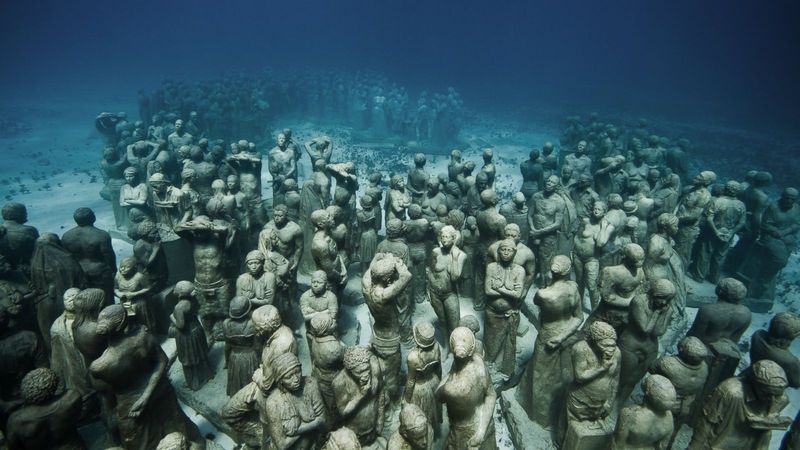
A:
{"points": [[46, 420], [650, 424]]}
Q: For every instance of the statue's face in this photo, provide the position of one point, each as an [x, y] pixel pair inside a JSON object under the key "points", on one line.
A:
{"points": [[607, 347], [513, 235], [231, 184], [598, 211], [69, 302], [768, 394], [280, 217], [178, 126], [319, 284], [291, 381], [581, 146], [159, 186], [787, 200], [254, 267], [550, 185], [127, 268], [447, 240], [363, 374], [506, 253], [281, 140], [401, 183]]}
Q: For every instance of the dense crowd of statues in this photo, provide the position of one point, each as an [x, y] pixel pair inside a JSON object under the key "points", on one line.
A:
{"points": [[593, 252]]}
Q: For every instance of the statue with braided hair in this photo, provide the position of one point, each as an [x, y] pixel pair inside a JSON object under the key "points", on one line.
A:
{"points": [[133, 368], [596, 367], [47, 420], [360, 396]]}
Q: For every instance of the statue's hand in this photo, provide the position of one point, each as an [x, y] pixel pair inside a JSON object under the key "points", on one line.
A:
{"points": [[136, 409]]}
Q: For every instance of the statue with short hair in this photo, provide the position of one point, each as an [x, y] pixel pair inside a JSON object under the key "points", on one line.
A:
{"points": [[92, 248], [547, 211], [505, 284], [649, 425]]}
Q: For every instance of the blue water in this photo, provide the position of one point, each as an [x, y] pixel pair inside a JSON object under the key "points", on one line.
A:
{"points": [[732, 63]]}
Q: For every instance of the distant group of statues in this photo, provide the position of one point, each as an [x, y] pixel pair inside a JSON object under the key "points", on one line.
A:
{"points": [[602, 233]]}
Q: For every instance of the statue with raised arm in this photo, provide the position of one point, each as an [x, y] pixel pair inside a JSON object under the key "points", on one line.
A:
{"points": [[382, 285]]}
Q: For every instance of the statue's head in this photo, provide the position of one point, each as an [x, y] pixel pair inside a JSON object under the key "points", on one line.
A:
{"points": [[127, 266], [266, 319], [158, 182], [398, 182], [188, 175], [342, 439], [319, 282], [420, 160], [768, 380], [784, 328], [599, 209], [254, 261], [357, 364], [414, 211], [174, 441], [659, 393], [633, 255], [661, 293], [424, 334], [84, 217], [239, 307], [462, 343], [692, 350], [732, 188], [281, 140], [487, 155], [603, 338], [395, 228], [705, 178], [39, 386], [481, 181], [15, 211], [788, 198], [512, 232], [286, 370], [560, 266], [551, 184], [280, 215], [69, 299], [519, 200], [414, 425], [322, 325], [667, 223], [489, 198], [131, 175], [731, 290], [471, 322], [111, 320], [184, 290]]}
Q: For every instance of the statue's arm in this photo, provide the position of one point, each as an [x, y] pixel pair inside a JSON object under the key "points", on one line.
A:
{"points": [[155, 376]]}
